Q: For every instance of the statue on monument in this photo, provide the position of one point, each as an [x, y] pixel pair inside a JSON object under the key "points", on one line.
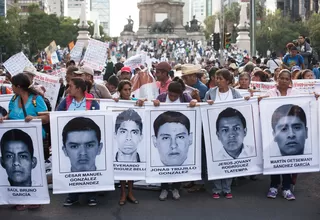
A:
{"points": [[129, 27], [187, 27], [166, 26], [195, 25]]}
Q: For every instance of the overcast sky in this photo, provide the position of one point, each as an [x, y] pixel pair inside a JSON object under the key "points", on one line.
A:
{"points": [[121, 9]]}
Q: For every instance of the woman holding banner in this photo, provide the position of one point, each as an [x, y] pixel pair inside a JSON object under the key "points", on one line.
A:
{"points": [[77, 100], [283, 88], [175, 94], [222, 92], [26, 104]]}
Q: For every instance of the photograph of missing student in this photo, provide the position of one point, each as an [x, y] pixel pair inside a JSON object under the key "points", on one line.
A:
{"points": [[289, 131], [18, 158], [235, 135], [22, 171], [128, 137], [82, 147], [173, 138]]}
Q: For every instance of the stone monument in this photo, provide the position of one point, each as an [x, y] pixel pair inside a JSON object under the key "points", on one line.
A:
{"points": [[161, 19], [243, 39], [128, 33], [194, 30], [83, 33]]}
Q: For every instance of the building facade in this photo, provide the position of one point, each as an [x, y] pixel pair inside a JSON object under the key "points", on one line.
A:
{"points": [[3, 8], [24, 4]]}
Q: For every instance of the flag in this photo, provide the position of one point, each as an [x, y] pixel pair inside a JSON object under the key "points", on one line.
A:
{"points": [[144, 85]]}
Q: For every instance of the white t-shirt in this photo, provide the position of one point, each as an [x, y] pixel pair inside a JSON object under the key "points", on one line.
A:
{"points": [[272, 64], [223, 96], [169, 101]]}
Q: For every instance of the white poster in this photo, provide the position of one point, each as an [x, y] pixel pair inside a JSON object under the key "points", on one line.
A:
{"points": [[96, 55], [173, 135], [4, 104], [17, 63], [82, 156], [129, 148], [290, 134], [232, 139], [52, 86], [22, 171], [76, 51], [136, 60]]}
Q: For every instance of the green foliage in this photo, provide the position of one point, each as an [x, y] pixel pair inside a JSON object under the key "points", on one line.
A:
{"points": [[33, 32]]}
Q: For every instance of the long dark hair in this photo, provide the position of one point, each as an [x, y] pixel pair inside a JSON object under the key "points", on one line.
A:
{"points": [[79, 83], [23, 82], [177, 86]]}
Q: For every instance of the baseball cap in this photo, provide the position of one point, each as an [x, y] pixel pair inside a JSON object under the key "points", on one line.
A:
{"points": [[295, 68], [233, 66], [126, 69], [85, 69], [163, 66]]}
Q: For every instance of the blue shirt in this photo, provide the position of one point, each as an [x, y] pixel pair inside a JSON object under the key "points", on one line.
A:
{"points": [[202, 88], [76, 106], [293, 61], [316, 73], [32, 109]]}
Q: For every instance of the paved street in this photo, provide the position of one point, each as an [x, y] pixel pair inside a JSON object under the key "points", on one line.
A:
{"points": [[249, 202]]}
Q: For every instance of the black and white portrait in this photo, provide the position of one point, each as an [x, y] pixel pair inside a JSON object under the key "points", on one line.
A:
{"points": [[19, 158], [289, 131], [232, 134], [128, 137], [82, 146], [173, 138]]}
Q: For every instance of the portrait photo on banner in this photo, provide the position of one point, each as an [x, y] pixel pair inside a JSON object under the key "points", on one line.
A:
{"points": [[80, 141], [128, 135], [290, 134], [232, 133], [173, 138], [21, 163]]}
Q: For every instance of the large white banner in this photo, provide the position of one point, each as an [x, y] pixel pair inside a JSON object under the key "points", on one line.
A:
{"points": [[232, 138], [22, 171], [52, 86], [82, 152], [173, 135], [290, 134]]}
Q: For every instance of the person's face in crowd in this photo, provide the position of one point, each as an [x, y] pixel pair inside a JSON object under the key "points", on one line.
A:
{"points": [[301, 40], [276, 72], [88, 77], [125, 93], [290, 133], [308, 75], [18, 163], [256, 78], [160, 75], [128, 137], [173, 143], [231, 133], [244, 82], [82, 148], [73, 91], [221, 82], [173, 96], [246, 60], [295, 74], [112, 89], [293, 53], [190, 80], [125, 76], [284, 80], [204, 79]]}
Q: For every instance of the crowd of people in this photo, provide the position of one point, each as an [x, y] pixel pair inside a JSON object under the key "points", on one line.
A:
{"points": [[207, 81]]}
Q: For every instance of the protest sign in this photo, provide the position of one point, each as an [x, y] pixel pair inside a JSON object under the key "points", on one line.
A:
{"points": [[96, 55], [136, 60], [290, 136], [144, 85], [83, 156], [17, 63], [76, 52], [22, 181], [54, 58], [4, 103], [173, 137], [52, 86], [232, 138]]}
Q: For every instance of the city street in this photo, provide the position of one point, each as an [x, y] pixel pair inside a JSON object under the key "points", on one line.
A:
{"points": [[249, 202]]}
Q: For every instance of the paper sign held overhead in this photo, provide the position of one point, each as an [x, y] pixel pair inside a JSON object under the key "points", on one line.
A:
{"points": [[17, 63], [96, 55]]}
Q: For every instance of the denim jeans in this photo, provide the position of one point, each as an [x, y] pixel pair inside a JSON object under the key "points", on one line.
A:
{"points": [[173, 186], [75, 196], [276, 181], [222, 186]]}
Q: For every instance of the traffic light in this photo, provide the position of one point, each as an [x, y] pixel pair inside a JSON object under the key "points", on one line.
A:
{"points": [[216, 41], [227, 40]]}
